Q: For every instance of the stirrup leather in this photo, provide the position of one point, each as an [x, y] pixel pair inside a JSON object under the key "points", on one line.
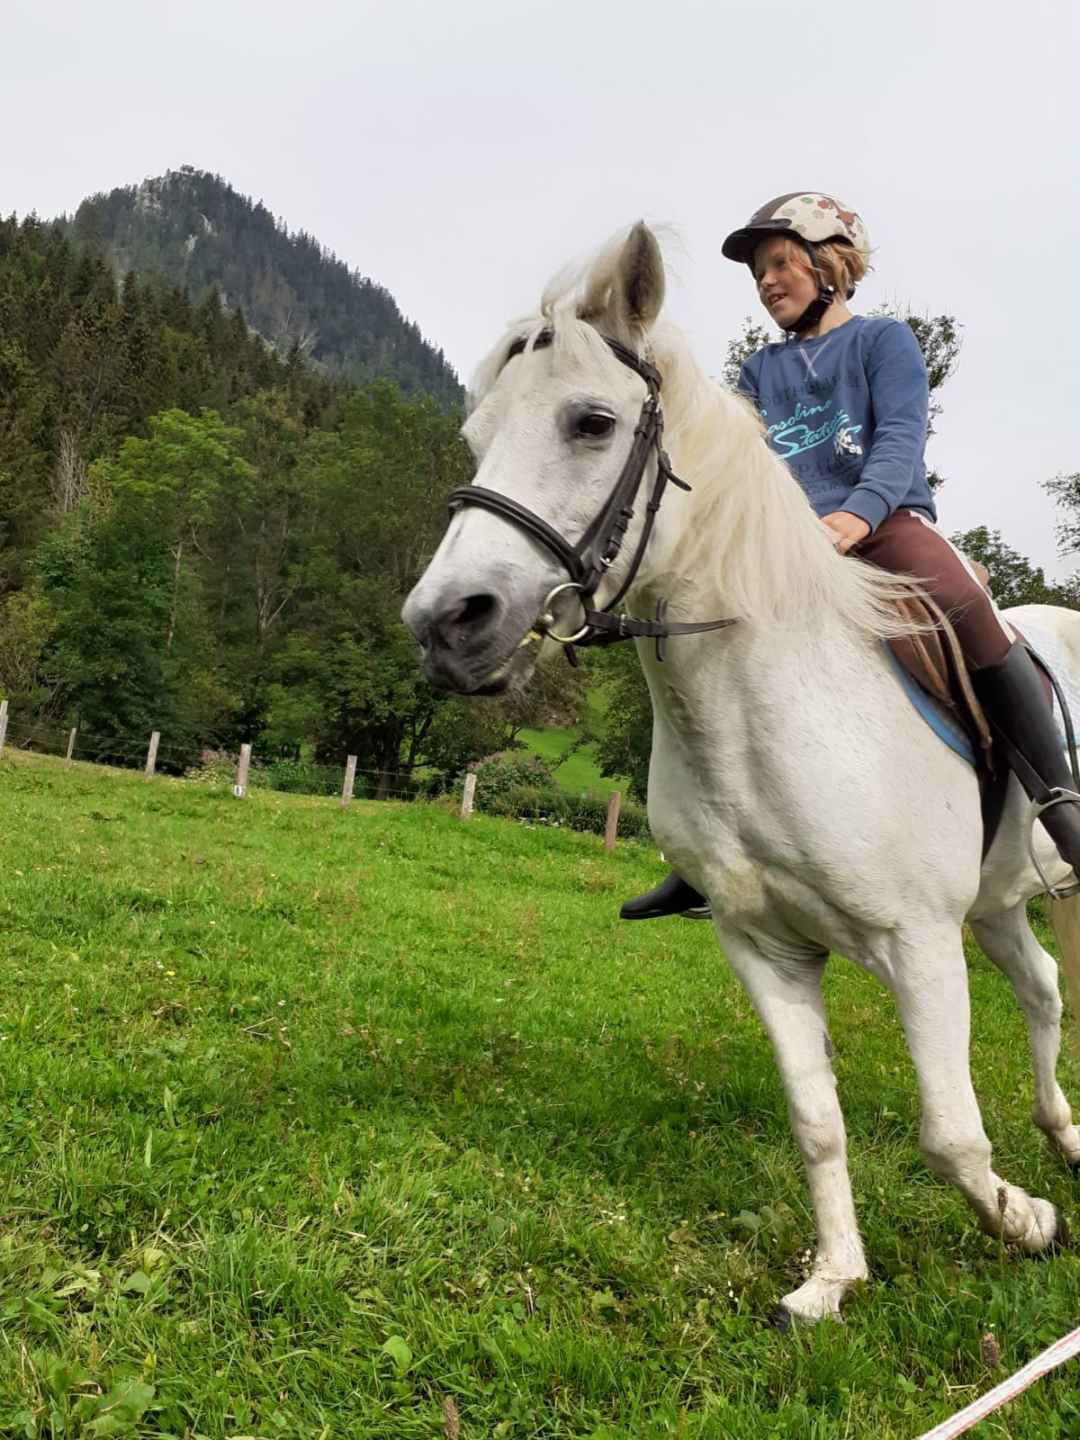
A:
{"points": [[1036, 808]]}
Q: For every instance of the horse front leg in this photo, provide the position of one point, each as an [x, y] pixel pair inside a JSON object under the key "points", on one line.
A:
{"points": [[784, 985]]}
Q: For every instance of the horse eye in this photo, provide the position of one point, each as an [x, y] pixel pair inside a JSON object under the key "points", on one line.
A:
{"points": [[595, 426]]}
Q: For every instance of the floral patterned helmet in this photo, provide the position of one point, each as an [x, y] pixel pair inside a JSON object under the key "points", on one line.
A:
{"points": [[810, 217]]}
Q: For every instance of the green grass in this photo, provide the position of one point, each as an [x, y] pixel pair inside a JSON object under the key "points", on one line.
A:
{"points": [[579, 771], [317, 1121]]}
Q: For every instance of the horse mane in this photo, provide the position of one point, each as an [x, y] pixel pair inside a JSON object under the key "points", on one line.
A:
{"points": [[749, 523], [749, 529]]}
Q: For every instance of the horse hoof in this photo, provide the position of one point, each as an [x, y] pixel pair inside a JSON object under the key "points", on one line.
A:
{"points": [[1066, 1143], [819, 1298], [1044, 1234], [781, 1320], [1061, 1241]]}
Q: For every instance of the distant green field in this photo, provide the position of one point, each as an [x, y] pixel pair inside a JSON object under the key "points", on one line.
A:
{"points": [[579, 771], [325, 1124]]}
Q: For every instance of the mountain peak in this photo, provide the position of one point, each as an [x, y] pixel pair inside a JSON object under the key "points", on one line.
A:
{"points": [[193, 228]]}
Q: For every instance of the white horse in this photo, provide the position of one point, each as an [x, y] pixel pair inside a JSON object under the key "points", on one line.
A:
{"points": [[790, 782]]}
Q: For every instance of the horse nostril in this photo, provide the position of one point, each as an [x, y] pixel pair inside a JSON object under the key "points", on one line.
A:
{"points": [[476, 609], [470, 614]]}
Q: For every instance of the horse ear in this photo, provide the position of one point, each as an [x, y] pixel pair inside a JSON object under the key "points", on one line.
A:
{"points": [[639, 281], [625, 288]]}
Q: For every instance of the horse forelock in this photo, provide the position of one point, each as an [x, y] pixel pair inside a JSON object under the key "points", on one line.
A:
{"points": [[574, 344]]}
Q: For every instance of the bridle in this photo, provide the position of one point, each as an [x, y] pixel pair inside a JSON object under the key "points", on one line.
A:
{"points": [[589, 560]]}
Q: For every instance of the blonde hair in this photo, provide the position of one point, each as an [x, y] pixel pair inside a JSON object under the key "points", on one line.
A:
{"points": [[842, 265]]}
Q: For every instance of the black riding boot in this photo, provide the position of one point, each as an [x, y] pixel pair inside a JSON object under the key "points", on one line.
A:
{"points": [[1013, 697], [672, 896]]}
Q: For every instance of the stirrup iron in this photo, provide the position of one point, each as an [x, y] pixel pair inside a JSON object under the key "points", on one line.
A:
{"points": [[1036, 808]]}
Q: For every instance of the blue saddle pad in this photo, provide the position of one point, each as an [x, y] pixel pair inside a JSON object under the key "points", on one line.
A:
{"points": [[943, 724]]}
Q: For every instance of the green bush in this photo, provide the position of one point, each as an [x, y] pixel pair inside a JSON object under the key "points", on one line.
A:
{"points": [[589, 812], [517, 786], [299, 777], [214, 767], [303, 777], [545, 804], [507, 770]]}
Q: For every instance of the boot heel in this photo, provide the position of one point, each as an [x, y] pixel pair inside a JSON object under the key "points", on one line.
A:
{"points": [[672, 896]]}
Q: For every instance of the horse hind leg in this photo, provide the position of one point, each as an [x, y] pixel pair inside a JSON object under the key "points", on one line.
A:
{"points": [[1065, 918], [1007, 941], [929, 980]]}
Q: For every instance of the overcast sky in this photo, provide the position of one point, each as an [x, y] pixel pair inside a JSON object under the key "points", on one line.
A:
{"points": [[460, 153]]}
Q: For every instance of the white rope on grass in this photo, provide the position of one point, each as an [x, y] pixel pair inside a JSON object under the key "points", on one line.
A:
{"points": [[1064, 1349]]}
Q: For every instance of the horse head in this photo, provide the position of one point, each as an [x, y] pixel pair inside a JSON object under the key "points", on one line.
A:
{"points": [[552, 429]]}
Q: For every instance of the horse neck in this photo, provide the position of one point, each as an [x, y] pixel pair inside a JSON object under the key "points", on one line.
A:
{"points": [[737, 543], [744, 543], [745, 707]]}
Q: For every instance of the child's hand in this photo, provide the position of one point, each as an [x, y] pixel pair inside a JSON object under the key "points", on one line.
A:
{"points": [[847, 529]]}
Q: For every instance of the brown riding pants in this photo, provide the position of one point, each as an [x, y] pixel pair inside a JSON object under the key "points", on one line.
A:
{"points": [[909, 543]]}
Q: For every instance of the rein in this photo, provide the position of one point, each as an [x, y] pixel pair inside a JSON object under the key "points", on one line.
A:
{"points": [[588, 561]]}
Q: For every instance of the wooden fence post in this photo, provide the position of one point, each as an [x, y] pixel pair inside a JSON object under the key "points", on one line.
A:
{"points": [[612, 826], [350, 781], [468, 794], [240, 788], [151, 755], [3, 723], [71, 747]]}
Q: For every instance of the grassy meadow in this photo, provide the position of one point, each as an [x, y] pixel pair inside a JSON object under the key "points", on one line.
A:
{"points": [[368, 1123]]}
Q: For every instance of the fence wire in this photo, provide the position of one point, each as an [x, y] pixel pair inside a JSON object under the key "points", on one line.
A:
{"points": [[209, 761], [203, 760]]}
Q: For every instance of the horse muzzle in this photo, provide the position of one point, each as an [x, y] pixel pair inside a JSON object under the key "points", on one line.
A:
{"points": [[473, 644]]}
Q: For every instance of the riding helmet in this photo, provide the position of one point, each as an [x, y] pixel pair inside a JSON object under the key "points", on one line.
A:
{"points": [[810, 217]]}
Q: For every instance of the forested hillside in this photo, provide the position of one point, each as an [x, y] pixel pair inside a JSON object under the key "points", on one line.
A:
{"points": [[202, 537], [195, 230]]}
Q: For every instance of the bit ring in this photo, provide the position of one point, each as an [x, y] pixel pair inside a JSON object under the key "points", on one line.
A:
{"points": [[547, 618]]}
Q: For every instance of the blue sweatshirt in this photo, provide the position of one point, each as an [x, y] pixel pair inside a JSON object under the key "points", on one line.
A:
{"points": [[848, 412]]}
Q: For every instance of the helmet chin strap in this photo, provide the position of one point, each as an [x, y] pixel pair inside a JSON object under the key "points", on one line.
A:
{"points": [[813, 312], [825, 296]]}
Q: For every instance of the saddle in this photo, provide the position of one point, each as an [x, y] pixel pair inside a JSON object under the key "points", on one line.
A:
{"points": [[933, 658]]}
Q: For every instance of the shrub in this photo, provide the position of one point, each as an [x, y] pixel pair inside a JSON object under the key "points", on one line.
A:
{"points": [[544, 804], [300, 777], [507, 770], [589, 812], [517, 786], [214, 767]]}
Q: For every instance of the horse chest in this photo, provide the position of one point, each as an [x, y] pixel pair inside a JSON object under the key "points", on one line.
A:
{"points": [[755, 805], [708, 843]]}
